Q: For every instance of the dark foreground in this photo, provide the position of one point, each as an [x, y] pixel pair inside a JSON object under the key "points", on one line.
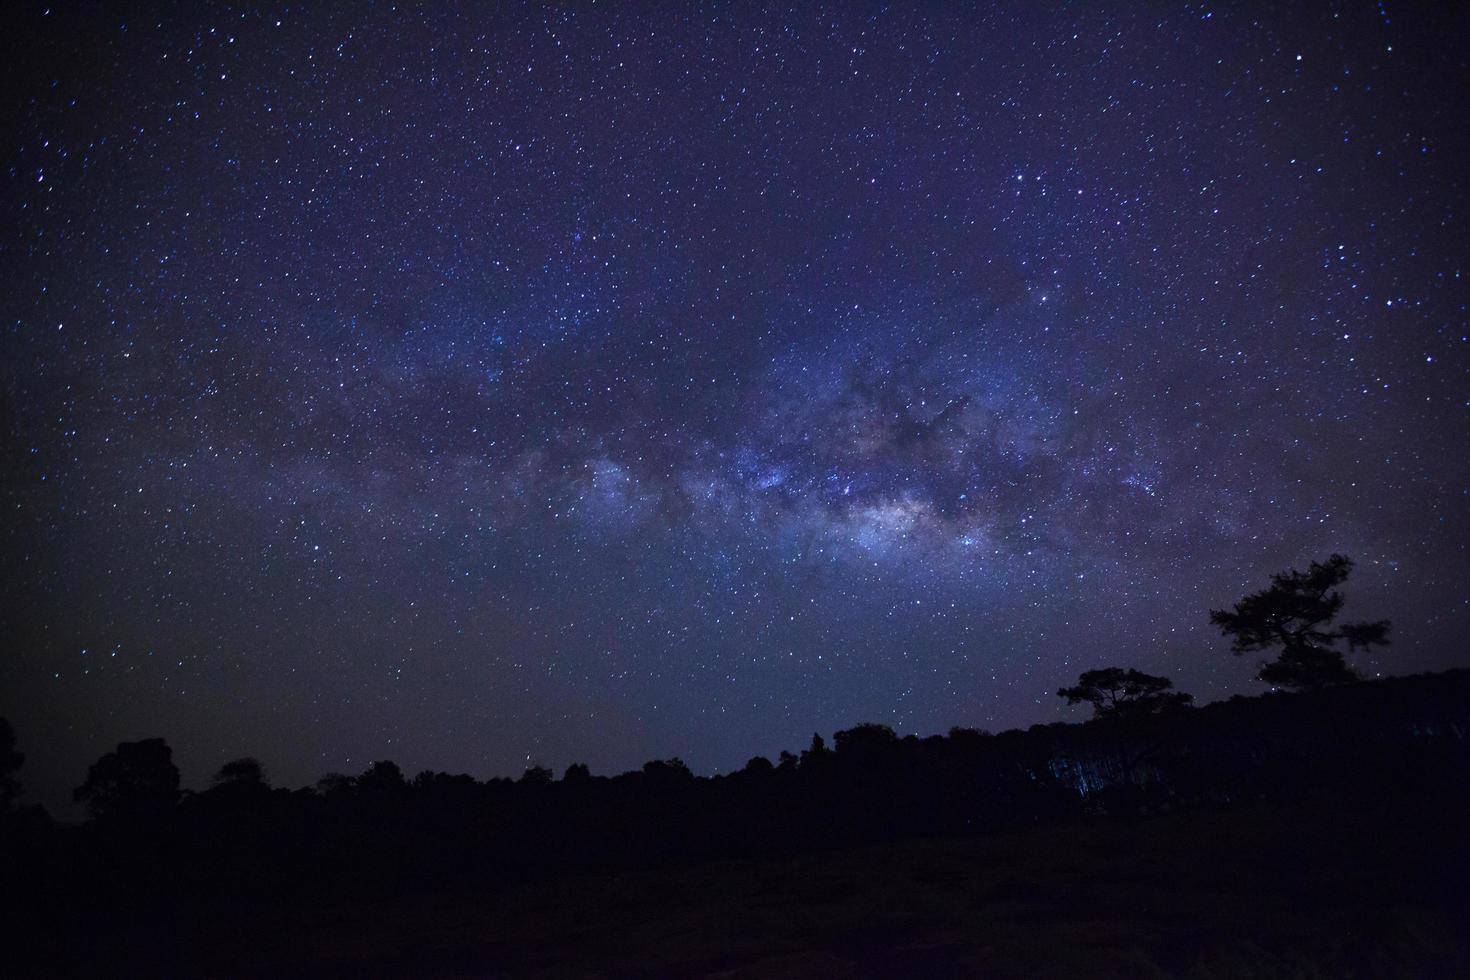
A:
{"points": [[1306, 890]]}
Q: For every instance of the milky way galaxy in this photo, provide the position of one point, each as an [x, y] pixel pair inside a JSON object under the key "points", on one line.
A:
{"points": [[476, 387]]}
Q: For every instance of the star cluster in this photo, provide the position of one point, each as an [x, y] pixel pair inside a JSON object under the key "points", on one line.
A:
{"points": [[478, 386]]}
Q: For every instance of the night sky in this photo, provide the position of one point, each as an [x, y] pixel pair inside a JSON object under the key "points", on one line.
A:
{"points": [[476, 387]]}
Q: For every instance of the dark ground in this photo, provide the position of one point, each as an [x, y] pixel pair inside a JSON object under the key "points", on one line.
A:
{"points": [[1323, 889]]}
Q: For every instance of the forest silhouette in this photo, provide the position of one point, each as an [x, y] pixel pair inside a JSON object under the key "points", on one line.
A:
{"points": [[150, 850]]}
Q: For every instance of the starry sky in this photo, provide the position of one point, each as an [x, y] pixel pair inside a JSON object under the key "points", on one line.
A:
{"points": [[482, 385]]}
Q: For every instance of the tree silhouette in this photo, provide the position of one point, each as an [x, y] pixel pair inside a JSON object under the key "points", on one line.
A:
{"points": [[335, 785], [536, 775], [137, 781], [666, 771], [246, 773], [1117, 693], [10, 763], [865, 743], [1295, 614], [382, 781], [817, 754]]}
